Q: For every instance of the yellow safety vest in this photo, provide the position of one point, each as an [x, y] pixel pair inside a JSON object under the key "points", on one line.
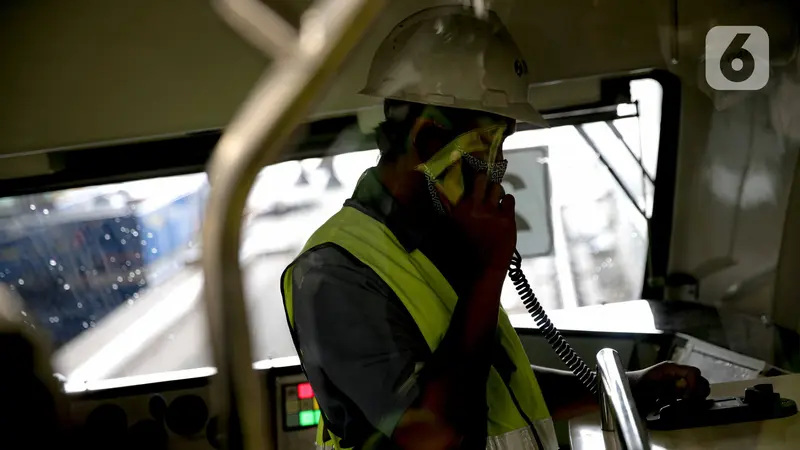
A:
{"points": [[417, 282]]}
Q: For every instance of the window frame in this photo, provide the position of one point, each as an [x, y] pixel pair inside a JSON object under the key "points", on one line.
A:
{"points": [[189, 153]]}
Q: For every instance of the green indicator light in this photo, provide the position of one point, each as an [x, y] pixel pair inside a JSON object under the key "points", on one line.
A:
{"points": [[316, 416], [307, 418]]}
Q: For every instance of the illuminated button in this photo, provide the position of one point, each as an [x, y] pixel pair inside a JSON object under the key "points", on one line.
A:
{"points": [[307, 419], [292, 420], [316, 405], [307, 404], [292, 406], [304, 390], [317, 414]]}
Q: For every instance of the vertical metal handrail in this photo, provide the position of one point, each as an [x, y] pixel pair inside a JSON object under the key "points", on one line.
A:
{"points": [[617, 409], [302, 64]]}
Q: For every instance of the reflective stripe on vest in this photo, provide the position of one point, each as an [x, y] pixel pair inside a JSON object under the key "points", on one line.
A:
{"points": [[417, 283], [523, 438]]}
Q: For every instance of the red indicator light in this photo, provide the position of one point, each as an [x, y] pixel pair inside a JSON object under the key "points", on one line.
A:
{"points": [[304, 391]]}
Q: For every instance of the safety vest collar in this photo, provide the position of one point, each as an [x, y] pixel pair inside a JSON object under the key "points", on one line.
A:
{"points": [[372, 198]]}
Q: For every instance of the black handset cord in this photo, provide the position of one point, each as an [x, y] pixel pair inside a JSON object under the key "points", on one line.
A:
{"points": [[574, 362]]}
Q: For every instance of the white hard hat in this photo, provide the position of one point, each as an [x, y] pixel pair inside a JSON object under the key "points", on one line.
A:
{"points": [[446, 56]]}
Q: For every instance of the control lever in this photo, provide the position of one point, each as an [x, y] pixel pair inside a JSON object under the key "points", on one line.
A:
{"points": [[759, 402], [617, 408]]}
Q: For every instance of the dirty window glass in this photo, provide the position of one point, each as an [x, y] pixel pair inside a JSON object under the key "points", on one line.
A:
{"points": [[86, 265], [111, 273]]}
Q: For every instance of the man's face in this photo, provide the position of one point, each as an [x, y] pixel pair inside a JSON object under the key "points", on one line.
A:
{"points": [[454, 145], [439, 126]]}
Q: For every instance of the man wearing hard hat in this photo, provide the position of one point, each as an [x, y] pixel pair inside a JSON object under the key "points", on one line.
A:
{"points": [[394, 303]]}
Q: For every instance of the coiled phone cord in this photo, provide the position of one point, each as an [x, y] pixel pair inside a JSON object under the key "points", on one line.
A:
{"points": [[574, 362]]}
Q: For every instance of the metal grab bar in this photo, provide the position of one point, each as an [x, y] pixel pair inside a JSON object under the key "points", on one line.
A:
{"points": [[617, 408], [303, 62]]}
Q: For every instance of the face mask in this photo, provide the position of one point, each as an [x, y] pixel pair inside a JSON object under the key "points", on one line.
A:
{"points": [[444, 171]]}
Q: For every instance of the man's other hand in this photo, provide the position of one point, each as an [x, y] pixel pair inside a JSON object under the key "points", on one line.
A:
{"points": [[664, 383]]}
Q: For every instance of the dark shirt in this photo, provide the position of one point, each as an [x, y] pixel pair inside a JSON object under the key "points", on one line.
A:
{"points": [[359, 344], [360, 347]]}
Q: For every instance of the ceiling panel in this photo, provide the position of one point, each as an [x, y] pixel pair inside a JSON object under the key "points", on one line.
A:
{"points": [[88, 71]]}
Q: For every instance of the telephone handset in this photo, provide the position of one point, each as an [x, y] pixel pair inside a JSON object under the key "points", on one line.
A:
{"points": [[560, 345]]}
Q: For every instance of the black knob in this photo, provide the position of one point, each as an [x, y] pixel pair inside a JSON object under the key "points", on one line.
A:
{"points": [[764, 388], [147, 434], [157, 407], [213, 435], [106, 427], [107, 420], [187, 415], [761, 396], [218, 438]]}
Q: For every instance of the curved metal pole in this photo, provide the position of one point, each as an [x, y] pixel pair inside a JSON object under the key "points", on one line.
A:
{"points": [[279, 102], [617, 408], [262, 27]]}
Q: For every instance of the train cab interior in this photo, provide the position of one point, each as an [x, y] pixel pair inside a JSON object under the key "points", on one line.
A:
{"points": [[657, 214]]}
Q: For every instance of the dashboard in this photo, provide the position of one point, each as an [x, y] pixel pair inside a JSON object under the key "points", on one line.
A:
{"points": [[174, 414], [170, 411]]}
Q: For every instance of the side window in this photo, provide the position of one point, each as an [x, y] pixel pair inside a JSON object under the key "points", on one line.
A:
{"points": [[600, 192]]}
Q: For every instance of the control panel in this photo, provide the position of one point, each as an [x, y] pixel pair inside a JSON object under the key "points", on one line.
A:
{"points": [[175, 415], [300, 407], [297, 411]]}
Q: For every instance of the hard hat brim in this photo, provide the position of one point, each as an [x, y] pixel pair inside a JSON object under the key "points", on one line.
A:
{"points": [[521, 112]]}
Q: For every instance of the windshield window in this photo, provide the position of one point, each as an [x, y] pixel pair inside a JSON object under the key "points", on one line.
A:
{"points": [[111, 273]]}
